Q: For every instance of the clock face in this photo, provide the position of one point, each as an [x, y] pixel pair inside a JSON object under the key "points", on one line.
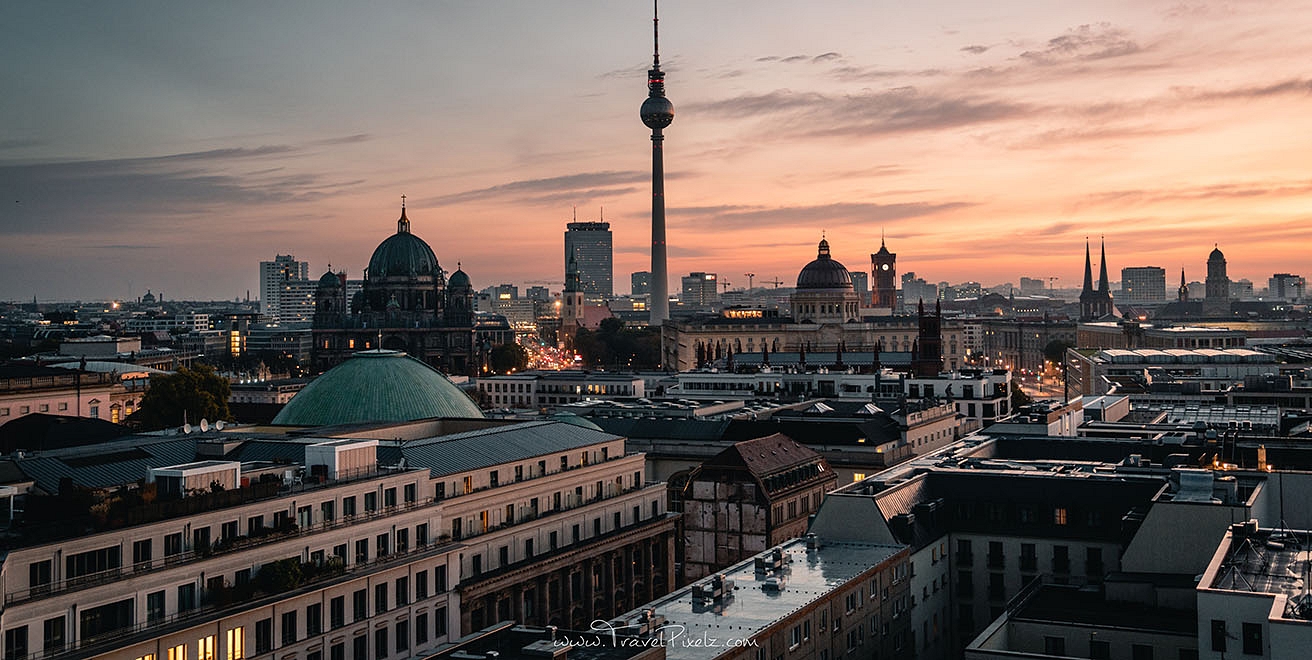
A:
{"points": [[885, 266]]}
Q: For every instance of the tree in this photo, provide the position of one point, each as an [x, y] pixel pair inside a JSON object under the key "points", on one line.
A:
{"points": [[614, 344], [507, 357], [196, 393], [1018, 396], [1055, 351]]}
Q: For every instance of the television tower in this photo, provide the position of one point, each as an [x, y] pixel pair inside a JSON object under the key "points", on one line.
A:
{"points": [[657, 113]]}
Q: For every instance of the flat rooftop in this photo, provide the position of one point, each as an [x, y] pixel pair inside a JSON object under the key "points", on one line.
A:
{"points": [[1069, 604], [1267, 561], [700, 630]]}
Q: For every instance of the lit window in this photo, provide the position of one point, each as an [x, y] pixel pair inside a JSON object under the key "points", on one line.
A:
{"points": [[237, 643], [148, 656], [178, 652], [1059, 516], [205, 648], [858, 476]]}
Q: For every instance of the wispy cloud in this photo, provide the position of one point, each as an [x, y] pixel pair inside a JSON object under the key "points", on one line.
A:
{"points": [[838, 214], [580, 185], [1086, 42]]}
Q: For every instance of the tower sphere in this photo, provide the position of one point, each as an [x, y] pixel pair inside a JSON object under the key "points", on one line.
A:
{"points": [[657, 112]]}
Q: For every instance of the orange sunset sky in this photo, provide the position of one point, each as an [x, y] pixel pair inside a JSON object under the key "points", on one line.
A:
{"points": [[172, 146]]}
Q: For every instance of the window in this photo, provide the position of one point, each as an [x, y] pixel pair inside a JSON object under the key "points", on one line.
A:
{"points": [[254, 525], [328, 510], [421, 535], [1252, 639], [186, 597], [313, 619], [439, 622], [1054, 645], [362, 551], [380, 643], [94, 561], [337, 612], [154, 606], [370, 502], [382, 545], [348, 506], [173, 544], [421, 585], [1028, 558], [996, 558], [402, 636], [1141, 652], [439, 574], [1059, 516], [205, 647], [380, 598], [289, 627], [402, 540], [411, 493], [16, 643], [421, 629], [141, 551], [1061, 559], [236, 639], [1218, 635], [53, 630], [997, 586], [389, 497], [38, 573], [178, 652], [402, 591], [1099, 650], [360, 647], [360, 605]]}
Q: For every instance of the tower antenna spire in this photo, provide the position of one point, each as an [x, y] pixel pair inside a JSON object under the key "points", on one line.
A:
{"points": [[656, 34]]}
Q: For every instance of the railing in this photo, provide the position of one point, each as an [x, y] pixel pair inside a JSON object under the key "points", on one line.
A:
{"points": [[223, 546], [207, 607]]}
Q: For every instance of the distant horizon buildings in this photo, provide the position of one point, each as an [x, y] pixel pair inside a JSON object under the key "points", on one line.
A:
{"points": [[286, 290], [640, 283], [699, 289], [591, 246], [1143, 284]]}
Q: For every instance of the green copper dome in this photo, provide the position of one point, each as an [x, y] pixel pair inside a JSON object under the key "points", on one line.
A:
{"points": [[377, 386], [402, 254]]}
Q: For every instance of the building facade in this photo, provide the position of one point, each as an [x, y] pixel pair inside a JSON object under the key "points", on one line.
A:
{"points": [[590, 245]]}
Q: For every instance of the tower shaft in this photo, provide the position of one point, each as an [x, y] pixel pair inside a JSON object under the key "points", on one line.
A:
{"points": [[660, 280]]}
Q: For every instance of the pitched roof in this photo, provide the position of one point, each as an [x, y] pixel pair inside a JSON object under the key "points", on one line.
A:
{"points": [[765, 456]]}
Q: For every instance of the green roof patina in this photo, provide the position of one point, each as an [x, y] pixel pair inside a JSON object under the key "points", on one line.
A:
{"points": [[377, 386]]}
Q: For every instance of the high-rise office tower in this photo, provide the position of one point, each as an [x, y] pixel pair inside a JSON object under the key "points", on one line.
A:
{"points": [[273, 278], [640, 283], [861, 285], [699, 289], [589, 244], [657, 112], [1143, 284]]}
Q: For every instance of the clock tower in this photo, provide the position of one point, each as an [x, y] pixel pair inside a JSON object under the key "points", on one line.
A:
{"points": [[883, 272]]}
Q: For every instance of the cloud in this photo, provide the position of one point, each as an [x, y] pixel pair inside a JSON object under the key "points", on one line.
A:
{"points": [[1291, 86], [838, 214], [1220, 191], [19, 143], [589, 184], [1086, 42], [974, 49], [825, 57], [66, 197]]}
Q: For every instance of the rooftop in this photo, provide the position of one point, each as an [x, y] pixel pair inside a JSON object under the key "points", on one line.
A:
{"points": [[750, 608], [1266, 561]]}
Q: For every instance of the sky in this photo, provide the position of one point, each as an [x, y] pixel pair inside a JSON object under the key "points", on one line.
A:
{"points": [[172, 146]]}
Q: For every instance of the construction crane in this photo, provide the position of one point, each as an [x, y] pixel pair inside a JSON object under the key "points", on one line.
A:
{"points": [[750, 278], [725, 284], [1052, 282], [776, 282]]}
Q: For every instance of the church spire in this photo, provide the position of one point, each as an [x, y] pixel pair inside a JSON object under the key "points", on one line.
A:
{"points": [[1103, 285], [1088, 269]]}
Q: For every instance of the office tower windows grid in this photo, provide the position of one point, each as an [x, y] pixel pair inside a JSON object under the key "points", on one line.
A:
{"points": [[589, 244]]}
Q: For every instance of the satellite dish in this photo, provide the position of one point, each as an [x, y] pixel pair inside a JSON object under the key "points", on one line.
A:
{"points": [[186, 428], [218, 426], [204, 425]]}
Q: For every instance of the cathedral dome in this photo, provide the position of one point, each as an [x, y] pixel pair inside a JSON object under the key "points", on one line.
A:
{"points": [[1216, 255], [459, 279], [329, 280], [402, 255], [824, 272], [377, 386]]}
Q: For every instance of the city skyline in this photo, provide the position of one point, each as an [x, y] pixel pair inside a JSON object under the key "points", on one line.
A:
{"points": [[156, 146]]}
